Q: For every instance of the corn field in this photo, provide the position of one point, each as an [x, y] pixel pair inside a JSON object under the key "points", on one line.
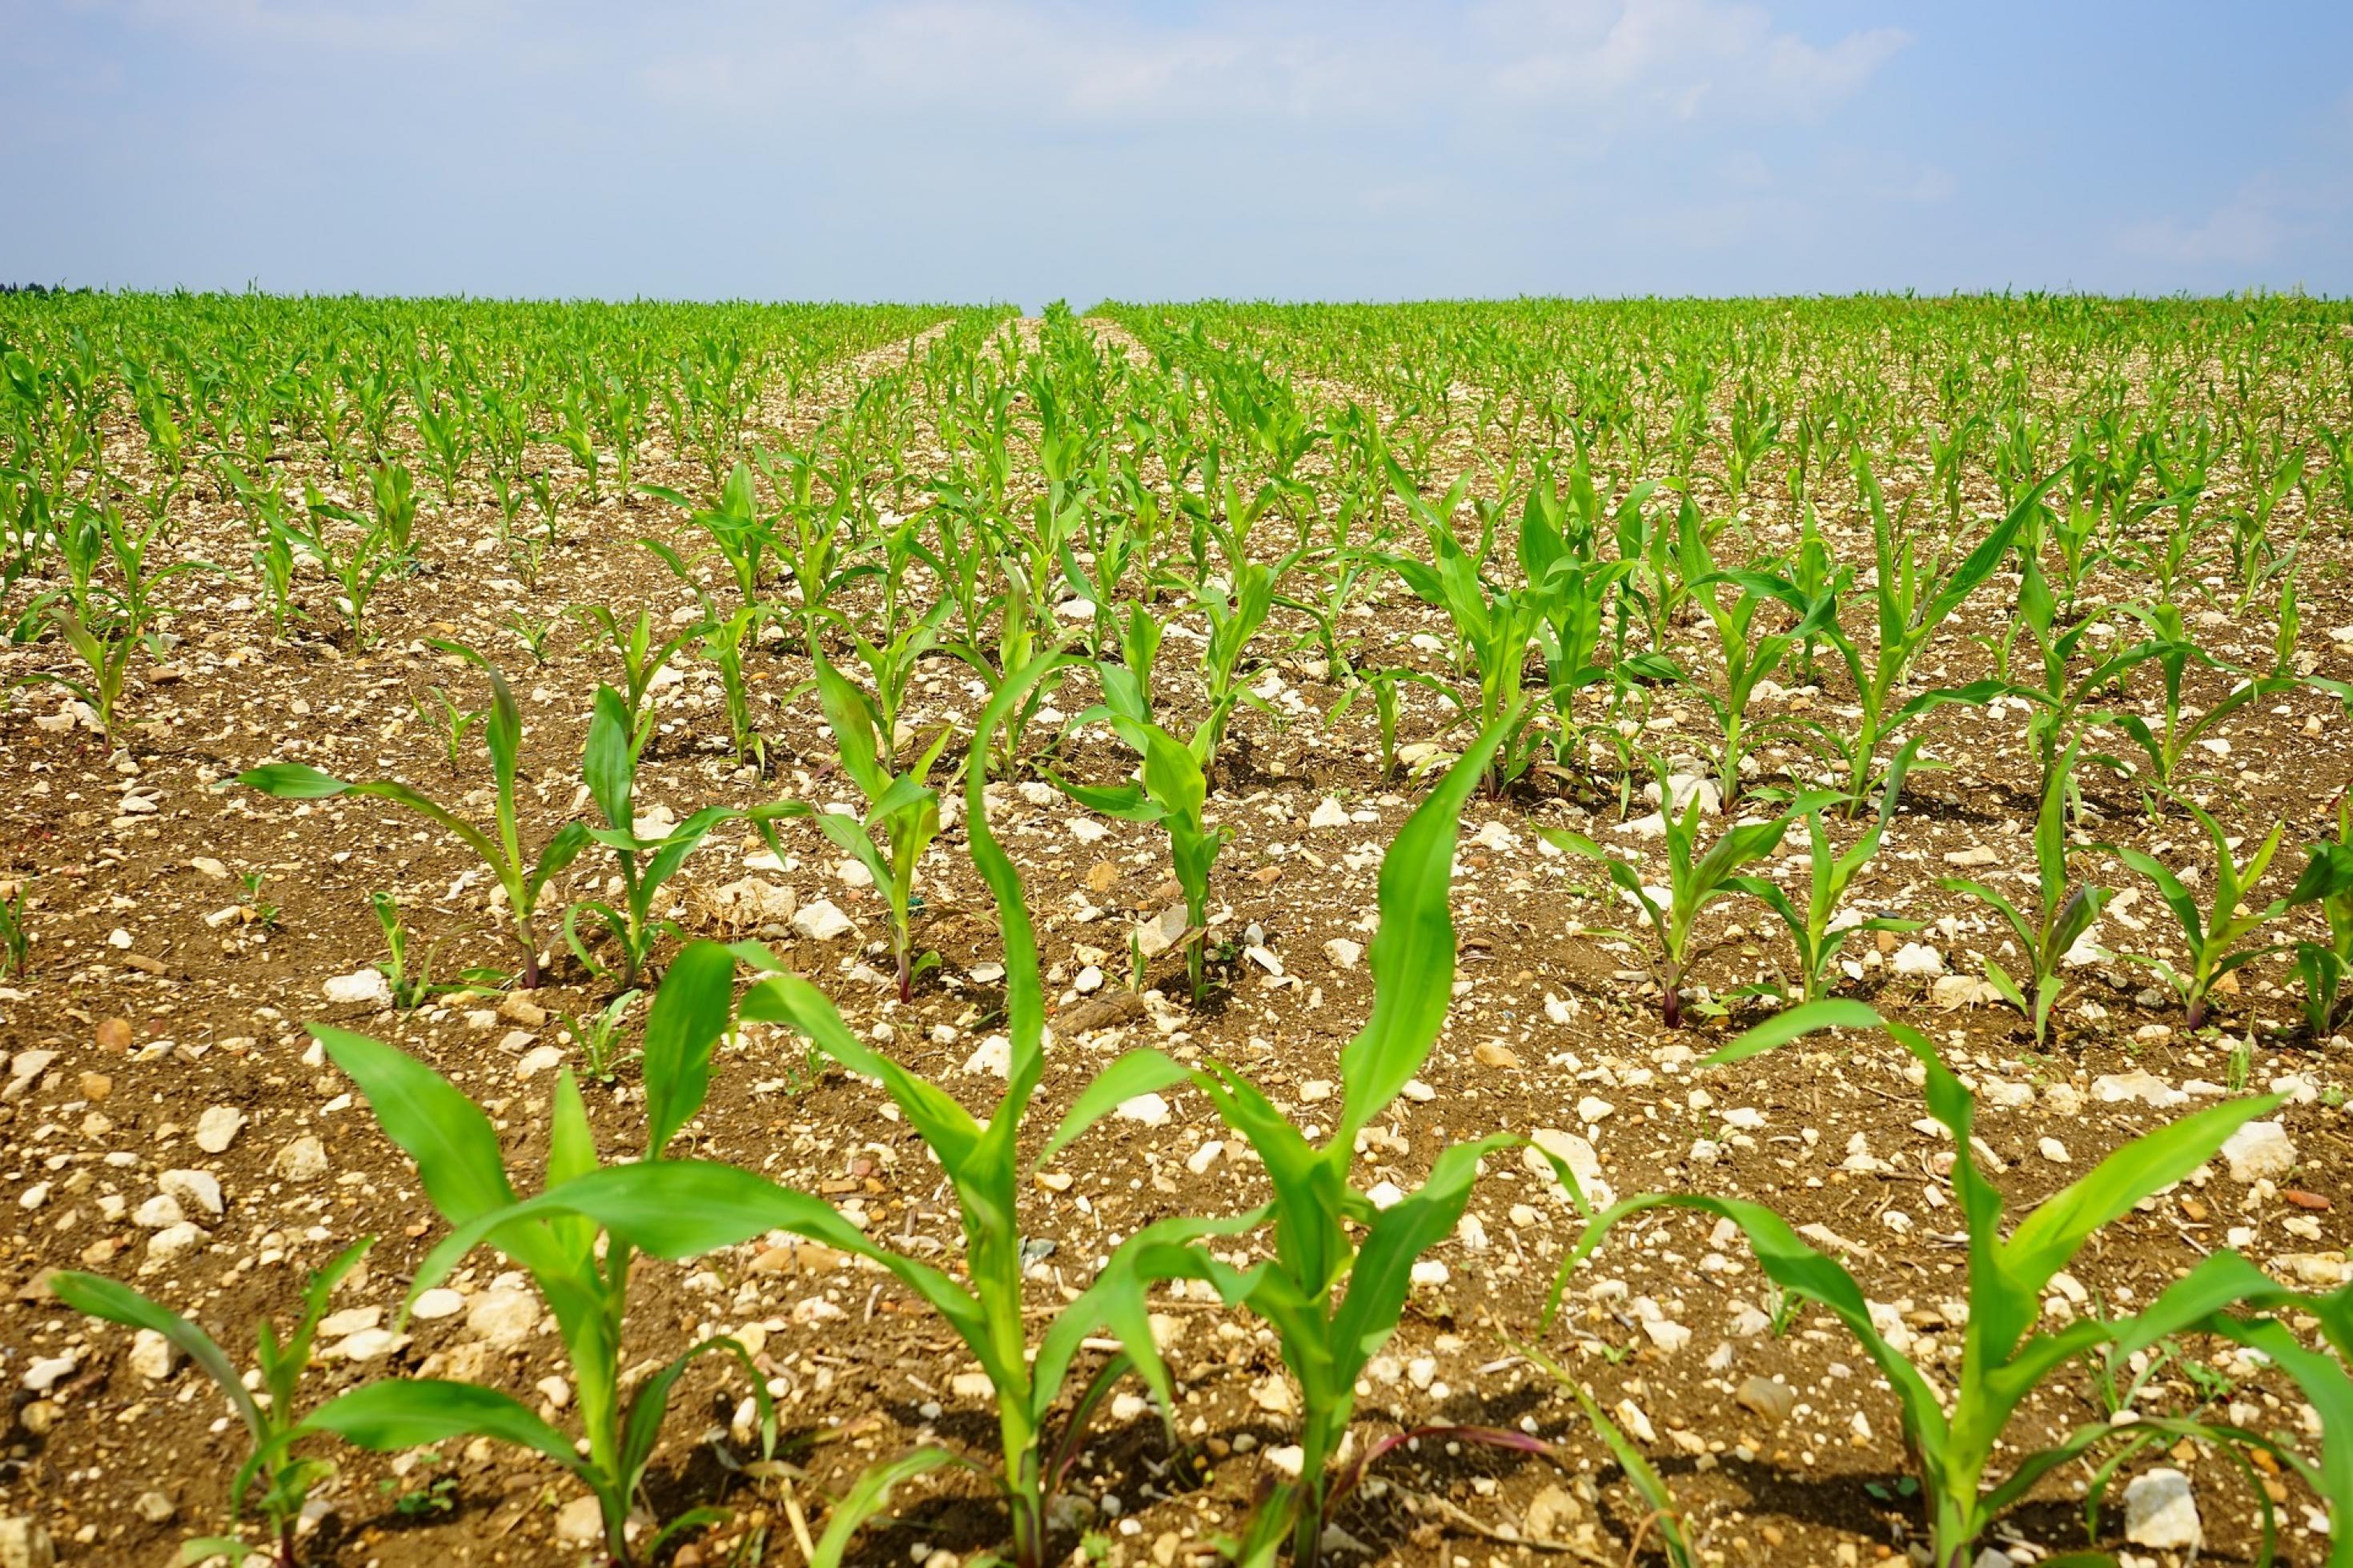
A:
{"points": [[1666, 931]]}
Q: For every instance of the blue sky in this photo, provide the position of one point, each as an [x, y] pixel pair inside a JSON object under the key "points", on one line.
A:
{"points": [[1024, 150]]}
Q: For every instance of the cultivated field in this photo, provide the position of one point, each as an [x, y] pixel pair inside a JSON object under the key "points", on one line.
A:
{"points": [[1660, 932]]}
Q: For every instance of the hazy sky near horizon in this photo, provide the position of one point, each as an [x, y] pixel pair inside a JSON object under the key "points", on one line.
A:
{"points": [[1025, 150]]}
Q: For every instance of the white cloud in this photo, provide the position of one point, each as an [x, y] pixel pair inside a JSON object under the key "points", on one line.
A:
{"points": [[2245, 230], [1686, 57]]}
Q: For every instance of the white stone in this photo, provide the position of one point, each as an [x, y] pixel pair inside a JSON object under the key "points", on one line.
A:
{"points": [[438, 1303], [48, 1371], [1577, 1155], [1918, 959], [581, 1523], [367, 1344], [750, 902], [24, 1541], [198, 1189], [157, 1212], [1344, 953], [2160, 1511], [2053, 1151], [1150, 1110], [303, 1160], [2140, 1084], [993, 1058], [2259, 1150], [217, 1127], [174, 1241], [1289, 1459], [361, 987], [822, 921], [504, 1316], [1329, 814], [1681, 788], [152, 1356], [539, 1059], [1667, 1334]]}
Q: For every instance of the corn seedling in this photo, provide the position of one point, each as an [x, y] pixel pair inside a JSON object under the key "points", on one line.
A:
{"points": [[902, 810], [1695, 878], [522, 879], [2063, 915], [446, 722], [2214, 938], [1820, 931], [642, 656], [1333, 1295], [681, 1208], [1952, 1434], [408, 973], [1913, 599], [644, 865], [598, 1036], [2327, 881], [15, 936], [1170, 790], [2167, 739], [104, 648], [585, 1284], [267, 1408]]}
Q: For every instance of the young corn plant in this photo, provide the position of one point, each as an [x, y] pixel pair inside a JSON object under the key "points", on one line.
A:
{"points": [[682, 1208], [1953, 1434], [1343, 1268], [2063, 914], [1820, 931], [15, 936], [2327, 881], [1492, 626], [268, 1410], [642, 656], [2064, 699], [1914, 600], [598, 1036], [357, 568], [608, 765], [2167, 739], [582, 1271], [1170, 790], [902, 810], [522, 877], [105, 646], [2214, 938], [1695, 878], [408, 973], [446, 722]]}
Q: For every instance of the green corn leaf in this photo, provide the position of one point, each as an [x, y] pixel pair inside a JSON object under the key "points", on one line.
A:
{"points": [[1412, 955], [868, 1496], [392, 1413], [1831, 1013], [689, 1015], [95, 1296], [2046, 1238], [292, 781], [1140, 1072], [454, 1145], [1382, 1275], [609, 762]]}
